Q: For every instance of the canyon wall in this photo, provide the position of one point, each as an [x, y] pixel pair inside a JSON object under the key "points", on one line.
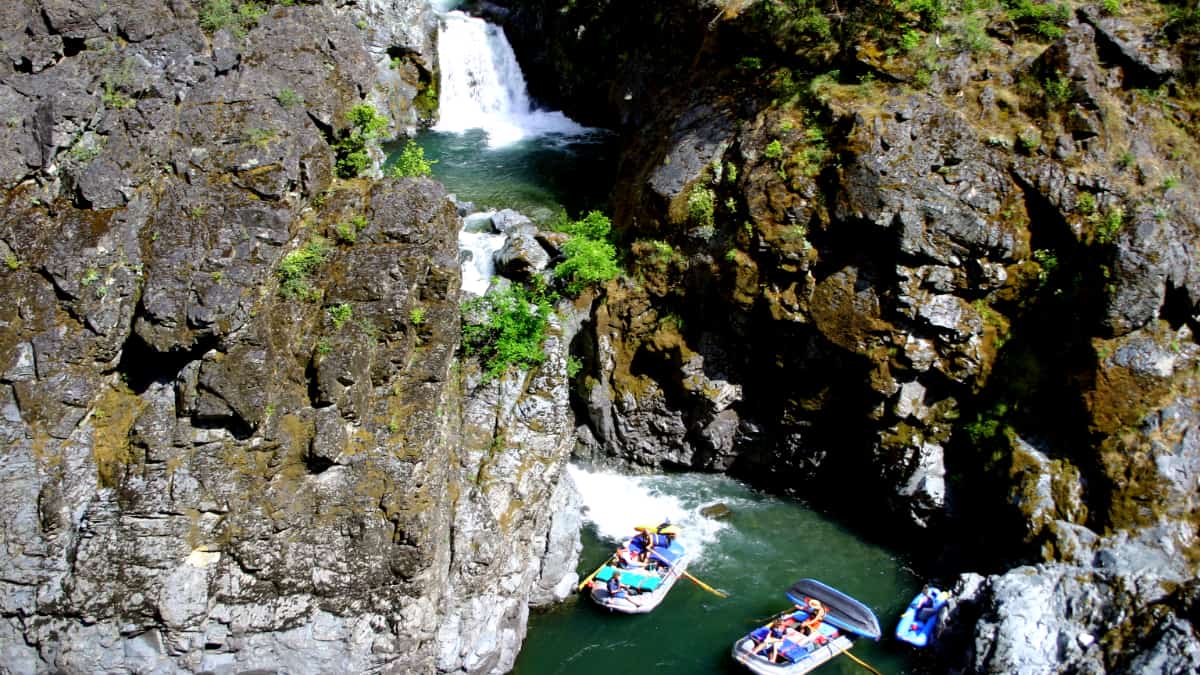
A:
{"points": [[236, 434]]}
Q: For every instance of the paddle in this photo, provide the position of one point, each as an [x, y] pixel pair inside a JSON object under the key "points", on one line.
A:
{"points": [[701, 584], [591, 576]]}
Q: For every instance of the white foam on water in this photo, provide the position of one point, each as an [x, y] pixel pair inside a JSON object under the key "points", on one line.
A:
{"points": [[482, 86], [615, 503], [477, 272]]}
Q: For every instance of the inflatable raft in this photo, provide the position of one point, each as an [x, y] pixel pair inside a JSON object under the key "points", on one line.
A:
{"points": [[920, 618], [845, 619], [646, 586]]}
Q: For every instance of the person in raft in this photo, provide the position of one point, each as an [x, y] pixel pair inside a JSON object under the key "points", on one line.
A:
{"points": [[616, 589], [925, 604], [649, 540], [773, 639], [626, 559], [816, 614]]}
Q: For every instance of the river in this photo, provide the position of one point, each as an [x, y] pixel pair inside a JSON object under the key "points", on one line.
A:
{"points": [[765, 545]]}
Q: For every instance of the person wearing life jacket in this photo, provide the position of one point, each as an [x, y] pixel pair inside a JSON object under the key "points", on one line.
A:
{"points": [[773, 639], [816, 614], [615, 588], [626, 559], [925, 604]]}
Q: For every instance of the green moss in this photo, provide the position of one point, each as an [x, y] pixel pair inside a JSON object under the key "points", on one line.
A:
{"points": [[112, 419]]}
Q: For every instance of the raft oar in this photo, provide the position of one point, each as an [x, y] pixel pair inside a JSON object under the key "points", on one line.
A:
{"points": [[860, 662], [591, 576], [717, 592]]}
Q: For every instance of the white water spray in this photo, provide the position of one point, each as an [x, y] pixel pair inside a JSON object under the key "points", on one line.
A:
{"points": [[615, 503], [477, 237], [482, 86]]}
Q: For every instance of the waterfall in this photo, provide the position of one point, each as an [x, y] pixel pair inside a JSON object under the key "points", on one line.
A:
{"points": [[482, 86], [615, 503]]}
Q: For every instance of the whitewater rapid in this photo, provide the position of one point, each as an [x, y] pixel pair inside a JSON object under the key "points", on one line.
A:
{"points": [[614, 503]]}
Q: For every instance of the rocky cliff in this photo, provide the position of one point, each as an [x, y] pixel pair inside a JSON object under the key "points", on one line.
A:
{"points": [[941, 256], [236, 434]]}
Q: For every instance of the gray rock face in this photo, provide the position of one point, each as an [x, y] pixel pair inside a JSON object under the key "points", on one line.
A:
{"points": [[230, 443], [516, 542], [1043, 618]]}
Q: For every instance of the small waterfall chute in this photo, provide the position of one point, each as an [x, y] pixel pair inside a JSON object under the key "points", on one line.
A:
{"points": [[482, 86], [477, 239]]}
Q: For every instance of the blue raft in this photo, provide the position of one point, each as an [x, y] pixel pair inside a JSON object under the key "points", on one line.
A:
{"points": [[920, 617]]}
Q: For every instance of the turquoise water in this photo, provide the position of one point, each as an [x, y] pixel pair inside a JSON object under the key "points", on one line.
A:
{"points": [[536, 176], [755, 554]]}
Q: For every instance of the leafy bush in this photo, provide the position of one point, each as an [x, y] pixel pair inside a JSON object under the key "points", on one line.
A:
{"points": [[298, 266], [588, 256], [1046, 20], [347, 230], [339, 314], [701, 204], [365, 127], [587, 262], [774, 150], [288, 97], [238, 17], [506, 328], [412, 162]]}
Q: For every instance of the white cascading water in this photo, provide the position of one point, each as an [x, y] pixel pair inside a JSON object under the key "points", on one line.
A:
{"points": [[482, 86], [615, 503], [477, 237]]}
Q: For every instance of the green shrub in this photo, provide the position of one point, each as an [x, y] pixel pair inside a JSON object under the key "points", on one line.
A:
{"points": [[239, 17], [587, 262], [298, 266], [287, 97], [1047, 262], [1046, 20], [701, 205], [574, 365], [416, 316], [749, 63], [506, 328], [347, 230], [1058, 90], [353, 156], [974, 37], [595, 225], [588, 256], [339, 314], [911, 39], [930, 13], [412, 162], [774, 150], [1108, 226]]}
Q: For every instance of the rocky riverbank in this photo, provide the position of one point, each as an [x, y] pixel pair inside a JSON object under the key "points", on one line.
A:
{"points": [[943, 259], [236, 432]]}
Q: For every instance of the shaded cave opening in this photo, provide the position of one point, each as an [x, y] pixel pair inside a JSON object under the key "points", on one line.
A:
{"points": [[142, 365]]}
